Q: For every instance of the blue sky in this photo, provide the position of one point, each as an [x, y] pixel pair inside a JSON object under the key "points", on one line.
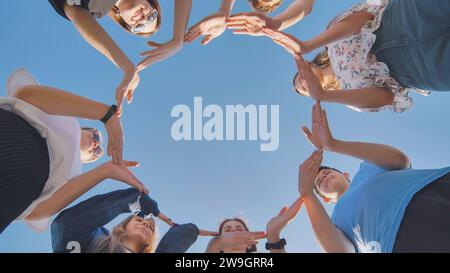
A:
{"points": [[203, 182]]}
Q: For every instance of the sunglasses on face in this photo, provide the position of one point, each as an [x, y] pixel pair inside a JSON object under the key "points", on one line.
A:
{"points": [[149, 20], [96, 136]]}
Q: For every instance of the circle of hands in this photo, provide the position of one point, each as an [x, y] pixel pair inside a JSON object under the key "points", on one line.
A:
{"points": [[211, 27]]}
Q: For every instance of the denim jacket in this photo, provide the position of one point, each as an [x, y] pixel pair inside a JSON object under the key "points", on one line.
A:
{"points": [[77, 229]]}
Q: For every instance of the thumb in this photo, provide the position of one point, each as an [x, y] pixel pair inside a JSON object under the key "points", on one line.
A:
{"points": [[154, 44], [282, 211], [207, 40], [306, 132], [295, 208], [130, 96], [132, 163]]}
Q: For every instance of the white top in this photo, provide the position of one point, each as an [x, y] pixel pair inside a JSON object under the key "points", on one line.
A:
{"points": [[63, 136], [356, 67]]}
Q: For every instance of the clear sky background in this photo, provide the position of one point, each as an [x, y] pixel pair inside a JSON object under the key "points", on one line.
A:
{"points": [[203, 182]]}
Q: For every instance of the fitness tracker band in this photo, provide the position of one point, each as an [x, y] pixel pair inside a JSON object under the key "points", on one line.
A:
{"points": [[112, 111], [277, 246]]}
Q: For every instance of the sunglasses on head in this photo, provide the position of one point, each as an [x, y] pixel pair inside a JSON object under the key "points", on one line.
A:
{"points": [[149, 20]]}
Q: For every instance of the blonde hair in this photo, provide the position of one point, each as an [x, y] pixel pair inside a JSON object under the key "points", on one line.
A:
{"points": [[114, 242], [320, 61], [265, 5], [97, 154], [115, 15]]}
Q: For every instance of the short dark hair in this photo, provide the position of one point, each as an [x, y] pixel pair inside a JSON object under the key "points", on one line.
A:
{"points": [[323, 167]]}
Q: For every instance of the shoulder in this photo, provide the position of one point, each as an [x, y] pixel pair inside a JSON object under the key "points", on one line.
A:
{"points": [[367, 171], [62, 6]]}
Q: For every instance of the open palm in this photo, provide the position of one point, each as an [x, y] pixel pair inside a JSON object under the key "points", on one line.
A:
{"points": [[320, 137], [277, 223], [123, 174], [211, 27]]}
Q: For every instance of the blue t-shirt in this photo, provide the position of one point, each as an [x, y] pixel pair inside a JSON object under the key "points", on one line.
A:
{"points": [[371, 210]]}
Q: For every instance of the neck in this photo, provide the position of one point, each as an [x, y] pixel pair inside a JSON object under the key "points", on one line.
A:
{"points": [[133, 245], [342, 191]]}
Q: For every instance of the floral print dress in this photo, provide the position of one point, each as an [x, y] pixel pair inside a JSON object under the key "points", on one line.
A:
{"points": [[356, 67]]}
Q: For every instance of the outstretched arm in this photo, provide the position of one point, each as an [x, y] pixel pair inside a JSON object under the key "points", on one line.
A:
{"points": [[226, 7], [58, 102], [80, 222], [279, 222], [294, 13], [347, 27], [98, 38], [242, 239], [212, 26], [330, 238], [253, 23], [81, 184], [167, 50], [370, 97], [379, 154], [181, 20]]}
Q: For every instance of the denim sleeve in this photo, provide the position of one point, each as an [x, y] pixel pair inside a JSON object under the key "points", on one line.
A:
{"points": [[81, 223], [178, 239]]}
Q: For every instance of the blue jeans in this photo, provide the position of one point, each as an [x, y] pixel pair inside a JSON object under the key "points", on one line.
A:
{"points": [[414, 41]]}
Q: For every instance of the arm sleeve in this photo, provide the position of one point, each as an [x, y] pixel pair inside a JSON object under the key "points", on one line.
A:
{"points": [[178, 239], [81, 222]]}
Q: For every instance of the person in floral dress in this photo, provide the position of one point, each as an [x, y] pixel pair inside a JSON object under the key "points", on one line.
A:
{"points": [[378, 52]]}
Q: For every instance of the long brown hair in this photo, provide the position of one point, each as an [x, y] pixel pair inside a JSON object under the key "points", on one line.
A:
{"points": [[115, 15], [114, 242], [320, 61]]}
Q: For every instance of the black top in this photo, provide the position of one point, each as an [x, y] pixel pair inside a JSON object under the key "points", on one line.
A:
{"points": [[98, 8], [58, 5]]}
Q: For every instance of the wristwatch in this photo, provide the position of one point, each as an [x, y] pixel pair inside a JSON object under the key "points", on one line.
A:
{"points": [[277, 246], [112, 111]]}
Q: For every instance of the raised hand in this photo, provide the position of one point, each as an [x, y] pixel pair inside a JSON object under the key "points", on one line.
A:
{"points": [[235, 239], [293, 45], [130, 82], [277, 223], [320, 137], [251, 23], [115, 139], [208, 233], [160, 53], [123, 174], [211, 27], [308, 173], [309, 81]]}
